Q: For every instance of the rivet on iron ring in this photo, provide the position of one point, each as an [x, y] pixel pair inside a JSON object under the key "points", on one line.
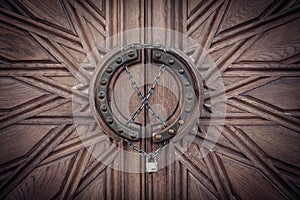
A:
{"points": [[101, 95], [171, 61], [118, 60], [109, 120], [158, 137], [157, 55], [130, 54]]}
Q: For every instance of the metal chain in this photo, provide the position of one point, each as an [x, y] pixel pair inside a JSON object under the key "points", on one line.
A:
{"points": [[146, 46], [142, 153], [145, 99], [145, 102]]}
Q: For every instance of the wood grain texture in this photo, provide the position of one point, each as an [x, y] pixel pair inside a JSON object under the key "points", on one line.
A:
{"points": [[255, 45]]}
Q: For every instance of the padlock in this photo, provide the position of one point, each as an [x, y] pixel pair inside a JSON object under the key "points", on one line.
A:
{"points": [[151, 164]]}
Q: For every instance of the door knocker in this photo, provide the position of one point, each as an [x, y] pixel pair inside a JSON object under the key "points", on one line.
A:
{"points": [[129, 69]]}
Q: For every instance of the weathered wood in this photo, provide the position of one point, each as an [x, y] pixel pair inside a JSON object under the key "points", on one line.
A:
{"points": [[256, 47]]}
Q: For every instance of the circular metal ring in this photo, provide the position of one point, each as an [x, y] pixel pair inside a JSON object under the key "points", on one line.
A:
{"points": [[191, 90]]}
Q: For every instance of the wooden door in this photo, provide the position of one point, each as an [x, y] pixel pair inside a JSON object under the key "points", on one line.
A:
{"points": [[256, 47]]}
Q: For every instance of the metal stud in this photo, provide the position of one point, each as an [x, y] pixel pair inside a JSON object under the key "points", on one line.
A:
{"points": [[171, 61], [109, 120], [171, 131], [187, 110], [181, 122], [160, 57], [103, 82], [101, 95], [109, 70], [104, 108], [158, 137], [132, 135], [130, 54], [189, 96], [181, 71], [186, 84], [118, 60], [157, 55], [120, 130]]}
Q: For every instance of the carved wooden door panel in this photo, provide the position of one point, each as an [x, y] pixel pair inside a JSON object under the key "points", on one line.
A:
{"points": [[43, 49]]}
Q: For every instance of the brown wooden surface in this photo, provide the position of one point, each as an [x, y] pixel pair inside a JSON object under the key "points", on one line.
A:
{"points": [[256, 46]]}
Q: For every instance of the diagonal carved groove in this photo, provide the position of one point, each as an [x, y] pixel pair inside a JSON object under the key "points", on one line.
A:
{"points": [[101, 157], [38, 28], [235, 52], [215, 25], [36, 107], [274, 7], [242, 86], [13, 164], [192, 167], [75, 68], [254, 28], [260, 160], [193, 152], [38, 72], [218, 175], [98, 16], [264, 111], [198, 54], [227, 58], [53, 87], [263, 69], [75, 174], [235, 119], [56, 120], [62, 87], [232, 55], [220, 147], [83, 33], [97, 168], [28, 9], [292, 169], [234, 155], [205, 11], [295, 59], [73, 146], [35, 156], [32, 66]]}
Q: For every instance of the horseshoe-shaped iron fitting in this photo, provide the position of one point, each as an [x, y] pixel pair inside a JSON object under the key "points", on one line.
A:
{"points": [[124, 60]]}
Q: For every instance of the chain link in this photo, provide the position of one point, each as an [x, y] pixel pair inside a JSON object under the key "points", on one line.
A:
{"points": [[144, 154], [145, 99], [146, 46]]}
